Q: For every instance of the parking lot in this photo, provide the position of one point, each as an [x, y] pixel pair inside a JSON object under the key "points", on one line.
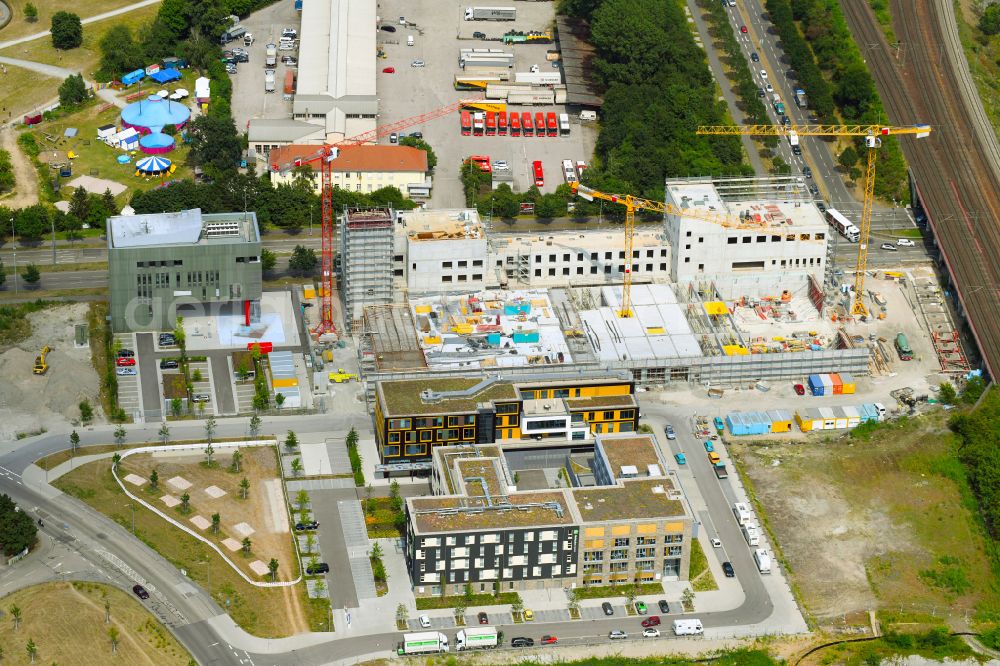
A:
{"points": [[439, 33], [249, 98], [129, 387]]}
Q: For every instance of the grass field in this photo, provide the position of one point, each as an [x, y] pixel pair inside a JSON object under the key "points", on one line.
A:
{"points": [[261, 611], [20, 27], [700, 575], [885, 523], [66, 623], [22, 90]]}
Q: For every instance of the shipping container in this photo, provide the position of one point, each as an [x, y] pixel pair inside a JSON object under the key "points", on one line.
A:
{"points": [[815, 385], [827, 384], [838, 386], [531, 97], [848, 383]]}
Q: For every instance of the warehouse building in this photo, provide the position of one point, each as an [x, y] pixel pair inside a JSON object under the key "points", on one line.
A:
{"points": [[606, 513], [414, 416], [159, 262]]}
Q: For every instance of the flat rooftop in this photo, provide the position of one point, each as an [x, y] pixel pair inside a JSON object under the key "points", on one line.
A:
{"points": [[334, 32], [402, 398], [638, 452], [641, 498], [437, 225], [461, 521], [765, 208], [597, 401], [186, 227], [481, 474], [592, 240]]}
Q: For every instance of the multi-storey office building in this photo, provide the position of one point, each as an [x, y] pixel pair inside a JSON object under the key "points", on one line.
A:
{"points": [[413, 416], [615, 525]]}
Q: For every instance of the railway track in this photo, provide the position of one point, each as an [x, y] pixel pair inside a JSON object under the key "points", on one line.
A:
{"points": [[955, 176]]}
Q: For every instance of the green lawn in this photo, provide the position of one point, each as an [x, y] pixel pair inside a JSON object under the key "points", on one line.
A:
{"points": [[700, 575]]}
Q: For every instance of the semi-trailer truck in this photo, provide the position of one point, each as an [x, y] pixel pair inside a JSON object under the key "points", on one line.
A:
{"points": [[233, 34], [423, 642], [490, 14], [478, 638]]}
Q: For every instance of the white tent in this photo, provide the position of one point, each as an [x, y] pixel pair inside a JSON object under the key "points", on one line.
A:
{"points": [[127, 139], [201, 88]]}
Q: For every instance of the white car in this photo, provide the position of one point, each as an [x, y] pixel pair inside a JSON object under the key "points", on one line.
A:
{"points": [[289, 32], [650, 633], [763, 73], [417, 63], [500, 164], [425, 621], [769, 88], [905, 242], [126, 372], [716, 543], [286, 46], [888, 246]]}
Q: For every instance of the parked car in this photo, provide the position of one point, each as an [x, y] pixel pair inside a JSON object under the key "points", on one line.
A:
{"points": [[483, 618], [425, 621], [167, 339], [417, 135], [664, 606], [680, 458], [231, 68], [650, 633], [291, 61], [884, 246], [617, 634], [389, 28], [166, 364], [754, 57], [727, 568], [522, 641], [668, 430], [125, 353], [393, 138], [548, 639], [905, 242], [709, 446], [286, 46], [388, 70], [608, 610], [311, 525], [479, 35], [529, 615], [743, 29], [799, 389], [651, 621], [124, 372], [289, 32], [640, 608], [417, 63], [125, 361], [201, 397], [319, 568], [719, 425], [140, 592], [717, 543]]}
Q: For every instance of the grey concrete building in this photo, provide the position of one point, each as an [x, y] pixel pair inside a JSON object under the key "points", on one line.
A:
{"points": [[366, 244], [161, 261]]}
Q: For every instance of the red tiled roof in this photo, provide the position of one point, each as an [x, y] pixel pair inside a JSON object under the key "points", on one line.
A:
{"points": [[355, 158]]}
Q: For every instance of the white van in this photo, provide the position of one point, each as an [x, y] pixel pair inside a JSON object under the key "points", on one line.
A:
{"points": [[409, 40], [588, 115], [763, 560], [688, 627]]}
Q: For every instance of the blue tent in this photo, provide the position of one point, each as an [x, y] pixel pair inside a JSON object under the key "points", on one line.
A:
{"points": [[165, 75], [134, 77]]}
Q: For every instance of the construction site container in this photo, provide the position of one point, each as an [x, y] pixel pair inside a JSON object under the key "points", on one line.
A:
{"points": [[829, 419], [525, 338], [853, 416], [734, 421], [809, 419], [815, 385], [827, 384], [838, 386], [781, 420], [839, 418], [868, 412], [848, 383], [514, 309], [493, 339]]}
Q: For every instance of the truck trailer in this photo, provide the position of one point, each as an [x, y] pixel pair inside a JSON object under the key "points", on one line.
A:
{"points": [[233, 34], [530, 97], [538, 78], [476, 638], [490, 14], [486, 60], [423, 642]]}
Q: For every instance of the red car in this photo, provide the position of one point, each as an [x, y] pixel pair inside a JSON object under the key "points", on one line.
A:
{"points": [[549, 640], [651, 621], [799, 389], [743, 29], [392, 70], [124, 361]]}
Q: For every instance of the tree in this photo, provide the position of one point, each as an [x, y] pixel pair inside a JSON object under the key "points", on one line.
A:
{"points": [[394, 497], [296, 466], [369, 505], [175, 407], [517, 606], [31, 274], [216, 523], [154, 480], [631, 592], [17, 530], [119, 52], [246, 545], [422, 145], [115, 460], [376, 551], [292, 440], [687, 598], [72, 91], [313, 563], [86, 411], [272, 567], [573, 601], [244, 487], [352, 437], [989, 21], [31, 649], [67, 31], [279, 399], [303, 260], [209, 452], [30, 13], [209, 428], [113, 637], [196, 375], [185, 503], [237, 461], [402, 615], [107, 610], [74, 441], [3, 274], [15, 614], [120, 435], [947, 393], [268, 260], [215, 143], [32, 222], [255, 425], [79, 204], [302, 499], [164, 432], [848, 157]]}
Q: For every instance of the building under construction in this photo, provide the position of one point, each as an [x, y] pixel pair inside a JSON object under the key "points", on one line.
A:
{"points": [[366, 241]]}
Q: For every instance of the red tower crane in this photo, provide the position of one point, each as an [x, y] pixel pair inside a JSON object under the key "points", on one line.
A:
{"points": [[325, 155]]}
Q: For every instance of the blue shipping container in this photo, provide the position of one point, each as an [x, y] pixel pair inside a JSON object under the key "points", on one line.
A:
{"points": [[815, 385], [512, 310], [298, 5], [525, 337]]}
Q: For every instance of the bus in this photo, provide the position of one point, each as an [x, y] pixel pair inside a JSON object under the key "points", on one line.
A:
{"points": [[491, 123], [536, 166], [843, 226], [564, 124], [903, 348], [539, 123], [526, 127], [502, 123], [515, 124], [466, 123]]}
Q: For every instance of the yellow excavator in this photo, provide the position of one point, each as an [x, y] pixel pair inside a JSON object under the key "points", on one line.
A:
{"points": [[40, 364]]}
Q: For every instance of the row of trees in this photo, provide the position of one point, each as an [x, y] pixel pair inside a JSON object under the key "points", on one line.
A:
{"points": [[831, 69], [17, 529], [978, 432], [743, 82], [31, 223]]}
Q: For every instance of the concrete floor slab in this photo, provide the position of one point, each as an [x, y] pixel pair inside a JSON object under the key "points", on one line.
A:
{"points": [[259, 568], [201, 522]]}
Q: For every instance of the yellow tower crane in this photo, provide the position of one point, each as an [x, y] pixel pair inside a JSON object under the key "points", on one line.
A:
{"points": [[633, 204], [873, 140]]}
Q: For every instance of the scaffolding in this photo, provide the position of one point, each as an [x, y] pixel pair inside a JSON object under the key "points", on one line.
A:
{"points": [[366, 248]]}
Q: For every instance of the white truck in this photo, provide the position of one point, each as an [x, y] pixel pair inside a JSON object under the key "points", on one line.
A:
{"points": [[423, 642], [476, 638], [688, 627], [751, 534], [763, 560], [271, 56], [269, 80], [490, 14]]}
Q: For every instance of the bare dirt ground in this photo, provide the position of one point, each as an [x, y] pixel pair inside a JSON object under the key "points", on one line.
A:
{"points": [[25, 181], [29, 402]]}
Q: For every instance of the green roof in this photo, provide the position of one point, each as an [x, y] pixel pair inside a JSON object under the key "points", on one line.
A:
{"points": [[402, 398], [635, 499]]}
